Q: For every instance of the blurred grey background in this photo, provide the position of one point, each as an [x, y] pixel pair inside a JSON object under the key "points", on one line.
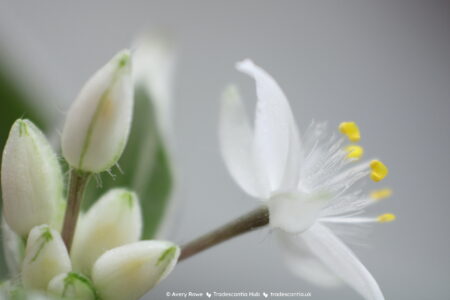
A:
{"points": [[384, 64]]}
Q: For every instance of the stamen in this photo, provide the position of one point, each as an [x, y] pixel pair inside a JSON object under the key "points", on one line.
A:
{"points": [[386, 218], [381, 194], [379, 170], [354, 151], [351, 130]]}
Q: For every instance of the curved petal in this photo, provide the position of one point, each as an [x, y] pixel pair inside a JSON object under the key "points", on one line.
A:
{"points": [[236, 141], [333, 253], [303, 263], [276, 134], [295, 212]]}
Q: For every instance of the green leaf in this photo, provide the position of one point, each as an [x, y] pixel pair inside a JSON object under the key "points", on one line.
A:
{"points": [[14, 104], [145, 165]]}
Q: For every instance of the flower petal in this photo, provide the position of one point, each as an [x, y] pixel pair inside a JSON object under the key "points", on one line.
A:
{"points": [[294, 213], [236, 141], [303, 263], [341, 260], [276, 134]]}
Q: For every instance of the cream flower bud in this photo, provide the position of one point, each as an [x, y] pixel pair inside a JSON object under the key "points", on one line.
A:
{"points": [[13, 248], [32, 181], [129, 271], [114, 220], [45, 257], [98, 122], [72, 286]]}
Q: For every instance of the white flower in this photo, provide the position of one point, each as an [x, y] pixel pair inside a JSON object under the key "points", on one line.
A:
{"points": [[114, 220], [72, 286], [45, 257], [98, 122], [129, 271], [32, 181], [306, 183]]}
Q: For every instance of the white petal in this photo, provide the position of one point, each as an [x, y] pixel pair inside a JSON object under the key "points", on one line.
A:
{"points": [[341, 260], [32, 182], [129, 271], [236, 141], [98, 122], [303, 263], [72, 286], [45, 257], [294, 212], [276, 135], [114, 220], [13, 248]]}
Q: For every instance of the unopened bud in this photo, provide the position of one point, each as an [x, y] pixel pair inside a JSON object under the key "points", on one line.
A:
{"points": [[45, 257], [114, 220], [129, 271], [98, 122], [32, 181]]}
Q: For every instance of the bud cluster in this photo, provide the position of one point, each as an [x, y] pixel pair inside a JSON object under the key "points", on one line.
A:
{"points": [[107, 259]]}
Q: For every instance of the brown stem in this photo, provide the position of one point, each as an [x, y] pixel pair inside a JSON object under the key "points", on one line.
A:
{"points": [[78, 181], [254, 219]]}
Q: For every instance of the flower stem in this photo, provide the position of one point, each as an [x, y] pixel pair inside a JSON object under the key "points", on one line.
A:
{"points": [[253, 220], [77, 185]]}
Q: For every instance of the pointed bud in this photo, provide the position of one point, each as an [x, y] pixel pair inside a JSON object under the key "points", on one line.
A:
{"points": [[32, 181], [72, 286], [114, 220], [129, 271], [45, 257], [98, 122]]}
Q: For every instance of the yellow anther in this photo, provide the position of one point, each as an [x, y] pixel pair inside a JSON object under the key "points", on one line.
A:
{"points": [[386, 218], [351, 130], [379, 170], [354, 151], [381, 194]]}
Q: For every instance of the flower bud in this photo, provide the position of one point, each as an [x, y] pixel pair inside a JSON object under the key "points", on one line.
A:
{"points": [[13, 248], [32, 181], [45, 257], [129, 271], [98, 122], [72, 286], [114, 220]]}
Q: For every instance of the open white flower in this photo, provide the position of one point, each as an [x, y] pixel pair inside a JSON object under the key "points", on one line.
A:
{"points": [[306, 183]]}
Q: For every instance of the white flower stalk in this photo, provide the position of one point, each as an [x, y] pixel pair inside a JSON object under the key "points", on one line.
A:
{"points": [[129, 271], [98, 122], [114, 220], [45, 257], [32, 181], [72, 286], [306, 183]]}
